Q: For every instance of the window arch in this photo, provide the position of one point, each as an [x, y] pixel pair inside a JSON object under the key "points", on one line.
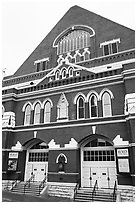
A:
{"points": [[77, 57], [70, 72], [57, 75], [27, 118], [63, 72], [37, 113], [47, 112], [86, 54], [106, 103], [80, 108], [93, 106]]}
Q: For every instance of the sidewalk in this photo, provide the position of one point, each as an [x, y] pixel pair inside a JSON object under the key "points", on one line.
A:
{"points": [[14, 197]]}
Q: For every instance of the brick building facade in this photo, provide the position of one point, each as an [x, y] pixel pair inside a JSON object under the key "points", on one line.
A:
{"points": [[69, 110]]}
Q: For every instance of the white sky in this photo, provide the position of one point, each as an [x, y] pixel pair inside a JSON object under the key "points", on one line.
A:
{"points": [[25, 23]]}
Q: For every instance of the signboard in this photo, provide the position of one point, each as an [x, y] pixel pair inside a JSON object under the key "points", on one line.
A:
{"points": [[123, 165], [122, 153], [12, 165], [13, 155]]}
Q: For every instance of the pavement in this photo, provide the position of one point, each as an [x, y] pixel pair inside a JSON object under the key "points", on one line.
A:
{"points": [[16, 197]]}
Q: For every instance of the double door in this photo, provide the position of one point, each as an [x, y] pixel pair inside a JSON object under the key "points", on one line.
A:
{"points": [[105, 176], [38, 169]]}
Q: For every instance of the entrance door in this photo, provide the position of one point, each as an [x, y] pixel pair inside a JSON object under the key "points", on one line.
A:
{"points": [[39, 171], [105, 176], [37, 164], [98, 163]]}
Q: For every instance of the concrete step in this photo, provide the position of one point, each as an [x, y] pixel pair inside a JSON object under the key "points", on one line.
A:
{"points": [[101, 195]]}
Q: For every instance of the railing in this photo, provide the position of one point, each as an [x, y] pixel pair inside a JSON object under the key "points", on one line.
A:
{"points": [[28, 182], [42, 184], [114, 191], [94, 190], [75, 190], [14, 183]]}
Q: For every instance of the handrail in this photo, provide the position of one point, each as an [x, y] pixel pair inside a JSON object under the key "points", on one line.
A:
{"points": [[14, 183], [114, 191], [28, 182], [41, 185], [94, 189], [75, 190]]}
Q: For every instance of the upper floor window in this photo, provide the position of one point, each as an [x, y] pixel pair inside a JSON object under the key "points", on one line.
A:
{"points": [[41, 64], [62, 107], [106, 102], [93, 106], [57, 75], [77, 57], [70, 72], [47, 112], [27, 117], [63, 73], [74, 40], [80, 108], [130, 103], [110, 47], [37, 113]]}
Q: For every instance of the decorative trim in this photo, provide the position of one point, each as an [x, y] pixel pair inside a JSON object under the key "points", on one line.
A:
{"points": [[106, 90], [78, 95], [37, 101], [61, 154], [24, 106], [41, 60], [53, 145], [68, 125], [55, 42], [92, 92], [45, 101], [72, 144], [110, 42], [118, 141]]}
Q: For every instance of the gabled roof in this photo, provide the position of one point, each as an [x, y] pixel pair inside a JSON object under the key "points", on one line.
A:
{"points": [[104, 30]]}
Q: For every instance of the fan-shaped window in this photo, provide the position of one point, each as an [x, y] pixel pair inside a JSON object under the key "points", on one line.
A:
{"points": [[93, 106], [37, 113], [47, 112], [106, 102], [27, 117], [74, 40], [80, 108], [98, 143]]}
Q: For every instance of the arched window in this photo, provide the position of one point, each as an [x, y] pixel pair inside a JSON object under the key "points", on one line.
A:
{"points": [[47, 112], [62, 107], [86, 55], [37, 114], [93, 106], [57, 75], [27, 115], [106, 102], [63, 73], [71, 72], [80, 108], [77, 57]]}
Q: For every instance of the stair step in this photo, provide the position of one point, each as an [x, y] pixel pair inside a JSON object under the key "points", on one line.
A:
{"points": [[101, 195]]}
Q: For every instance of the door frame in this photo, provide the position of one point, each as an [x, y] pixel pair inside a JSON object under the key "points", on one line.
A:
{"points": [[27, 158], [95, 148]]}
